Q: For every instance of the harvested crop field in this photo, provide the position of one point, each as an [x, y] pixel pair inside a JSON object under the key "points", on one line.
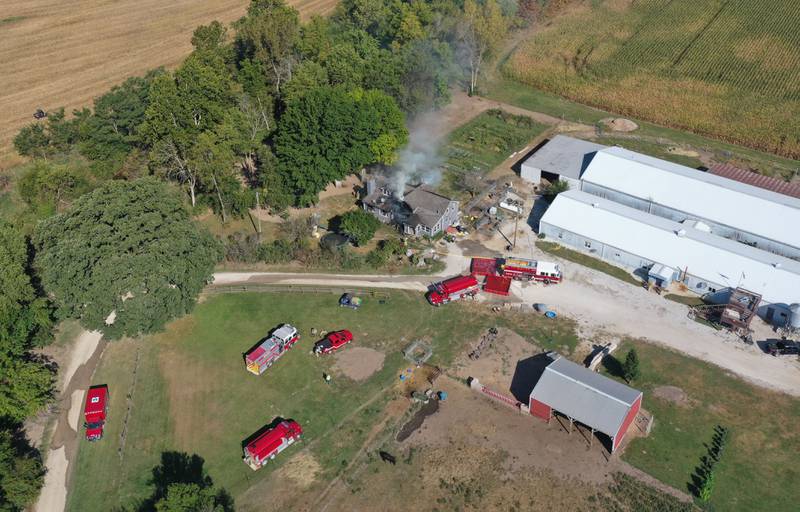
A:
{"points": [[65, 53], [725, 68]]}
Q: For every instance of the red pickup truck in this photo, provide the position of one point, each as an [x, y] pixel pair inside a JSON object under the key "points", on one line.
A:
{"points": [[333, 342]]}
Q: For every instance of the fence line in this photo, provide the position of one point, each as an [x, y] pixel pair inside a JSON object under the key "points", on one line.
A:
{"points": [[283, 288]]}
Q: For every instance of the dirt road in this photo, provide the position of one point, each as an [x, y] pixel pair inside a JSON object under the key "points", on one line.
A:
{"points": [[74, 381], [603, 306]]}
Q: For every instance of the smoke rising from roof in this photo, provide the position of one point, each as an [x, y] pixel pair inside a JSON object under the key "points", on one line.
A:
{"points": [[419, 161]]}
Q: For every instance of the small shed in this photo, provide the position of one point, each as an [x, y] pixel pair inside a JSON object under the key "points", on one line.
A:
{"points": [[600, 403]]}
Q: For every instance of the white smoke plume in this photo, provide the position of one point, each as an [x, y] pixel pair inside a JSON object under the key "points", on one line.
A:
{"points": [[419, 161]]}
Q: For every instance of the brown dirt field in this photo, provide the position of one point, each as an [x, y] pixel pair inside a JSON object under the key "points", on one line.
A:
{"points": [[66, 53], [358, 363], [301, 470], [673, 394]]}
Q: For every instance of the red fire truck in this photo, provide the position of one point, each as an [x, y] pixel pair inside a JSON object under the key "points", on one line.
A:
{"points": [[455, 288], [530, 270], [273, 441], [271, 349], [95, 411], [333, 342]]}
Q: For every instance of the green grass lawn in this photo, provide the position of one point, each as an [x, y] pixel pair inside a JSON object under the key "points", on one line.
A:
{"points": [[192, 393], [758, 469], [658, 150], [587, 261]]}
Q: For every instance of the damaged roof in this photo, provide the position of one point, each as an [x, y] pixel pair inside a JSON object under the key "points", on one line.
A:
{"points": [[427, 206]]}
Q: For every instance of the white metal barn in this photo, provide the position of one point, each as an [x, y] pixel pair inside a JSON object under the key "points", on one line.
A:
{"points": [[632, 238], [562, 158], [731, 209]]}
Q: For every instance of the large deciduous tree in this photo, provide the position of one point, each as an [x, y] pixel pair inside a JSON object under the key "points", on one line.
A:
{"points": [[195, 99], [268, 35], [359, 225], [21, 470], [480, 32], [111, 131], [330, 132], [25, 322], [125, 258]]}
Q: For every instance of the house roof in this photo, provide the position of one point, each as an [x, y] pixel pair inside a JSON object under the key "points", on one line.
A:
{"points": [[565, 156], [427, 206], [705, 255], [699, 194], [584, 395], [755, 179]]}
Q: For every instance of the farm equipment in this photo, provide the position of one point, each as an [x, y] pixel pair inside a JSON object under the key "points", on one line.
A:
{"points": [[782, 347], [266, 446], [349, 301], [95, 411], [269, 350], [333, 342], [452, 289]]}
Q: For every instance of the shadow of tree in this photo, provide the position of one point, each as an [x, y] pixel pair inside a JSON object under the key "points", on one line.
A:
{"points": [[613, 366], [181, 468]]}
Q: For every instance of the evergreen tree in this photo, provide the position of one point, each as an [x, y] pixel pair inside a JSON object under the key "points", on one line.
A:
{"points": [[631, 366]]}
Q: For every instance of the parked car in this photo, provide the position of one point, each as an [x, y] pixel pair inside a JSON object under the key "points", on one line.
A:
{"points": [[348, 300], [782, 347]]}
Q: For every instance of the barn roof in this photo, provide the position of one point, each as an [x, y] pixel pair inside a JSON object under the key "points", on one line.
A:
{"points": [[700, 194], [678, 245], [585, 396], [565, 156], [757, 180]]}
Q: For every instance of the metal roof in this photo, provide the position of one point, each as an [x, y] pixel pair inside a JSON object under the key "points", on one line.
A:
{"points": [[699, 194], [705, 255], [757, 180], [565, 156], [585, 396]]}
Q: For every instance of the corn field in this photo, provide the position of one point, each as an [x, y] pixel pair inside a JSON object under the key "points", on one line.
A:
{"points": [[724, 68]]}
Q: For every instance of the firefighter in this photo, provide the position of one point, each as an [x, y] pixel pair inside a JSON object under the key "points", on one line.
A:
{"points": [[327, 378]]}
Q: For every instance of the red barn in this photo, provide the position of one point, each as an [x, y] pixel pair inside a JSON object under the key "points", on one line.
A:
{"points": [[600, 403]]}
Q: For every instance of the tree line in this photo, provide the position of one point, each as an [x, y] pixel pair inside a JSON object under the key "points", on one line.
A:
{"points": [[269, 105]]}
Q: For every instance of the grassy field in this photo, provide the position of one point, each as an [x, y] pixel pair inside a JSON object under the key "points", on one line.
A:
{"points": [[66, 53], [192, 393], [730, 69], [758, 469], [588, 261]]}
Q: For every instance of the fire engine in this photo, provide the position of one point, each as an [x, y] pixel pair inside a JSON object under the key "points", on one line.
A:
{"points": [[333, 342], [271, 349], [455, 288], [530, 270], [95, 411], [273, 441]]}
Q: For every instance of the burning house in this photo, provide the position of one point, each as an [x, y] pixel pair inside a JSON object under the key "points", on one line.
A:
{"points": [[419, 211]]}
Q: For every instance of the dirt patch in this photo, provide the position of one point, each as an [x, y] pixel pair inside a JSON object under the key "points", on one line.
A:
{"points": [[302, 470], [672, 394], [359, 363], [675, 150], [619, 124], [417, 420]]}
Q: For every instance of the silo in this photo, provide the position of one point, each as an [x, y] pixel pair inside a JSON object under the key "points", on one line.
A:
{"points": [[794, 318]]}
